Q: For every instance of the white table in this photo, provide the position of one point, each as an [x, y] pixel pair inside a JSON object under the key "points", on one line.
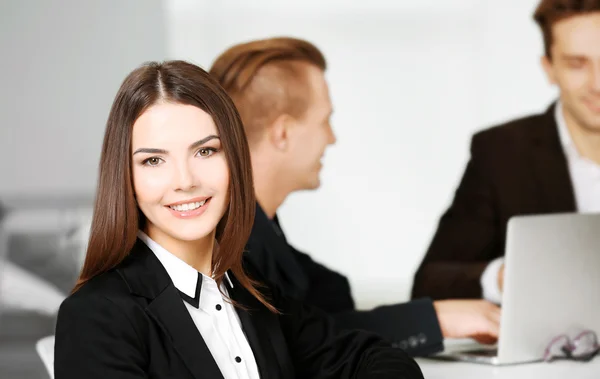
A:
{"points": [[438, 369]]}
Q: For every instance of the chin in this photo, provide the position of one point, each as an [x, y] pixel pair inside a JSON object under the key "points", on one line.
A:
{"points": [[186, 231], [586, 117], [591, 123], [313, 185], [194, 231], [182, 236]]}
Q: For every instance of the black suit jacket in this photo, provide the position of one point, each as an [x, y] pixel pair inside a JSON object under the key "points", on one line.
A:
{"points": [[515, 169], [131, 323], [412, 326]]}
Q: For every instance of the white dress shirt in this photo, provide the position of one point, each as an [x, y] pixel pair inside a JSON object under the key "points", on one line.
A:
{"points": [[216, 319], [585, 173], [585, 178]]}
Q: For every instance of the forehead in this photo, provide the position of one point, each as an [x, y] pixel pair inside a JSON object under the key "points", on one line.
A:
{"points": [[170, 123], [319, 89], [578, 35]]}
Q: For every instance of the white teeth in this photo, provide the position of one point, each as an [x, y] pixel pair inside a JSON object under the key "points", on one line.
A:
{"points": [[188, 206]]}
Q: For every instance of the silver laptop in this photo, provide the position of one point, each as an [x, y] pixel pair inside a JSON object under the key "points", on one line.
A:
{"points": [[551, 287], [3, 255]]}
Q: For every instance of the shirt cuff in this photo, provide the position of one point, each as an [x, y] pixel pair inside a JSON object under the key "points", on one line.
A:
{"points": [[489, 281]]}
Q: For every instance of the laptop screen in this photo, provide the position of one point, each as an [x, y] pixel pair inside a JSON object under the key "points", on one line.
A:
{"points": [[3, 254]]}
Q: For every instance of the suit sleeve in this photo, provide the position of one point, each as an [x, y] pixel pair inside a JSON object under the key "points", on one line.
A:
{"points": [[465, 238], [96, 340], [321, 351], [412, 326]]}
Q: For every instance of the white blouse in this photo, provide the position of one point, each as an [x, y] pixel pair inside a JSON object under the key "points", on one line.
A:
{"points": [[216, 319]]}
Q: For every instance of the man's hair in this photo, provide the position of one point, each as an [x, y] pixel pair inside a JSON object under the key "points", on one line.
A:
{"points": [[549, 12], [267, 78]]}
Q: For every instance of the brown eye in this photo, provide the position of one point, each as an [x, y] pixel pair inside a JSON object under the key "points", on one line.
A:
{"points": [[206, 152], [154, 161], [576, 63]]}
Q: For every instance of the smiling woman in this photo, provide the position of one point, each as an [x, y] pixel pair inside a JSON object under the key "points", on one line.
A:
{"points": [[165, 291], [159, 114]]}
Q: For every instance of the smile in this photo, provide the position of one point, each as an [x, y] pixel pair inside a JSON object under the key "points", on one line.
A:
{"points": [[189, 208], [594, 106]]}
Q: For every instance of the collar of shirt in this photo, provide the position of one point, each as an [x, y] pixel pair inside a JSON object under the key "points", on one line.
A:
{"points": [[185, 278], [566, 140], [563, 132]]}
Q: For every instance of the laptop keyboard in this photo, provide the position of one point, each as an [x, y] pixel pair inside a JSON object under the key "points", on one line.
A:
{"points": [[482, 352]]}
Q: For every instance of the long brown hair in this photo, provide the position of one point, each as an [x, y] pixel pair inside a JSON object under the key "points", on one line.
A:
{"points": [[266, 78], [117, 217]]}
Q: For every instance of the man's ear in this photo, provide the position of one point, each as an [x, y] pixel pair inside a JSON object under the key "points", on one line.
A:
{"points": [[279, 131]]}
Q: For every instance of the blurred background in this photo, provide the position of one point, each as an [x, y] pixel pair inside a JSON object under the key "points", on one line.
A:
{"points": [[410, 81]]}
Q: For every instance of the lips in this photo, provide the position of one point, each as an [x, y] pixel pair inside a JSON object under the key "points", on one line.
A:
{"points": [[189, 208], [188, 201], [593, 106]]}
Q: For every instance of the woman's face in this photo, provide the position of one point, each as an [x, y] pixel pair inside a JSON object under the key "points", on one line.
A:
{"points": [[180, 174]]}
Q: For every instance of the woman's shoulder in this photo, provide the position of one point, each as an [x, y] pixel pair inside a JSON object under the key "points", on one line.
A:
{"points": [[107, 291], [100, 316]]}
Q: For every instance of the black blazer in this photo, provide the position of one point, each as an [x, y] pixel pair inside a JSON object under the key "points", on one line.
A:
{"points": [[515, 169], [412, 326], [131, 323]]}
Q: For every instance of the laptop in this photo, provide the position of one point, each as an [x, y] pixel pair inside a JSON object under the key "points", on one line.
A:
{"points": [[551, 287], [3, 255]]}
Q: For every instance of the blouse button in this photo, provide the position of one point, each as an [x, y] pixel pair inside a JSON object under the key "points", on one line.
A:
{"points": [[238, 359], [218, 307]]}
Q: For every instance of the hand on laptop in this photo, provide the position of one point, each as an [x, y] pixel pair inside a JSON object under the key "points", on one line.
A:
{"points": [[477, 319]]}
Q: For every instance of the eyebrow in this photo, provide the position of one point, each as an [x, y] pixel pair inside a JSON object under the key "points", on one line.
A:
{"points": [[573, 56], [162, 151]]}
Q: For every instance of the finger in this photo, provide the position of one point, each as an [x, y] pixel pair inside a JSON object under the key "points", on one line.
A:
{"points": [[493, 327], [490, 323], [488, 333], [494, 315], [485, 339]]}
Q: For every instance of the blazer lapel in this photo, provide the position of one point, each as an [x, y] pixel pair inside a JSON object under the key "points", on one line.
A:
{"points": [[169, 312], [146, 277], [257, 335], [262, 330], [550, 166]]}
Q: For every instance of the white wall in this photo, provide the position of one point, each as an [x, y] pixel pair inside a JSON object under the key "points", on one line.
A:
{"points": [[62, 63], [411, 81]]}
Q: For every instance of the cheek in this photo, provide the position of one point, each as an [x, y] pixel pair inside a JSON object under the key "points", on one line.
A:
{"points": [[573, 81], [222, 177], [213, 174], [148, 186], [319, 142], [309, 148]]}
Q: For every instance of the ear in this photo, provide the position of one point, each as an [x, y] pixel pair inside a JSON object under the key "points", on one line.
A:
{"points": [[548, 68], [279, 131]]}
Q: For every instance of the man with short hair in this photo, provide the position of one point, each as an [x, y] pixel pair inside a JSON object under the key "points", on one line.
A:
{"points": [[279, 88], [546, 163]]}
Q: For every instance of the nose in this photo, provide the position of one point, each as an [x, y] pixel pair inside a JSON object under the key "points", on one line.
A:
{"points": [[596, 78], [184, 178], [331, 138]]}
